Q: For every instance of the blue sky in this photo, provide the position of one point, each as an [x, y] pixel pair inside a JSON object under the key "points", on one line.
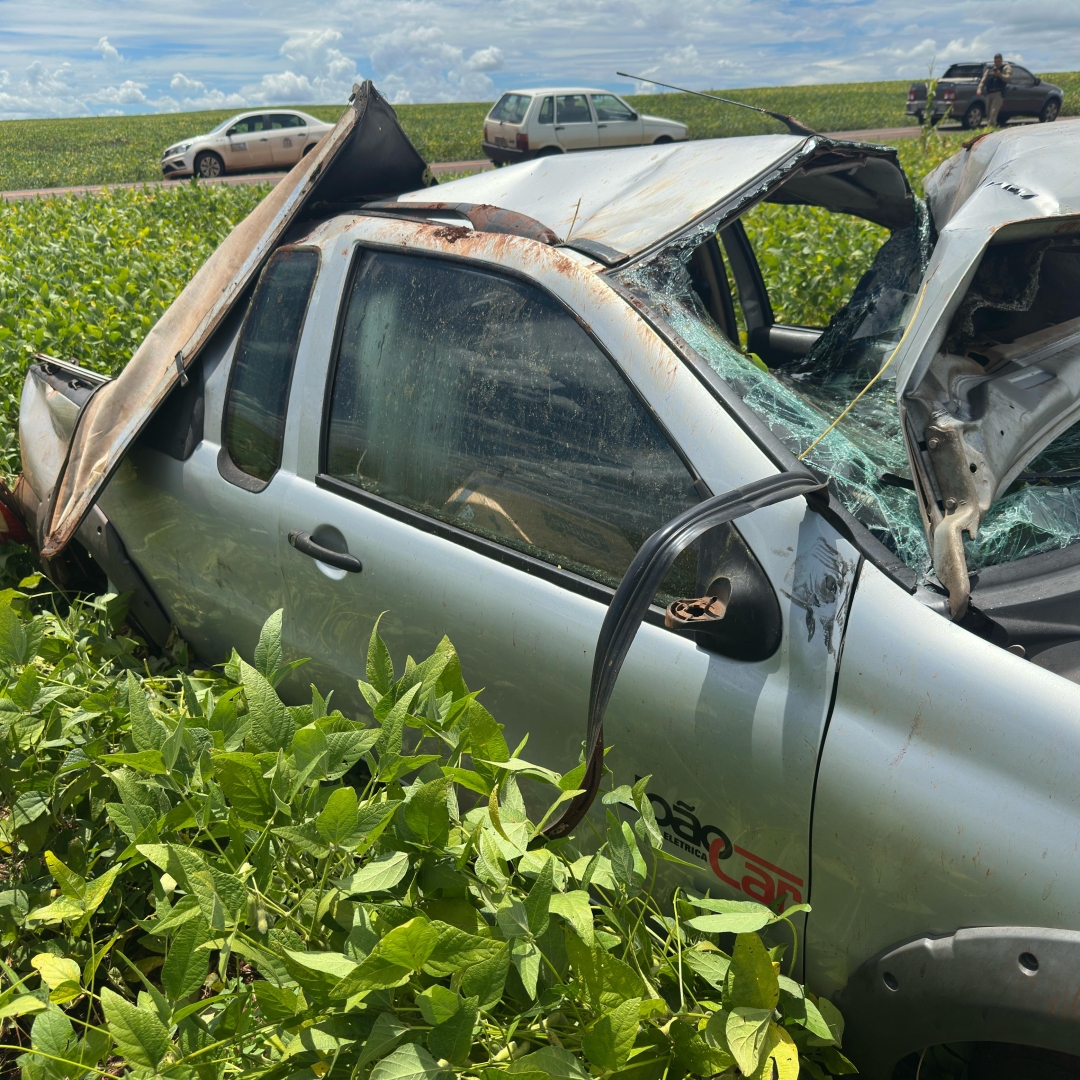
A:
{"points": [[97, 57]]}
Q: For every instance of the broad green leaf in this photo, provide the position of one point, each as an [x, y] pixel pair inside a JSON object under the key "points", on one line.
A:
{"points": [[646, 826], [694, 1052], [379, 668], [608, 1042], [751, 978], [318, 973], [52, 1036], [96, 891], [832, 1017], [779, 1050], [55, 970], [733, 916], [512, 918], [539, 898], [337, 821], [426, 813], [71, 884], [23, 1005], [410, 944], [170, 750], [438, 1003], [185, 967], [268, 650], [550, 1061], [576, 908], [379, 875], [276, 1003], [711, 966], [241, 779], [451, 1039], [457, 949], [375, 972], [140, 1036], [147, 732], [527, 958], [408, 1062], [385, 1034], [485, 981], [148, 761], [622, 858], [744, 1036], [185, 909], [270, 728]]}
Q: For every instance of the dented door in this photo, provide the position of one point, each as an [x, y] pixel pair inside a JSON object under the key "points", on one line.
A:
{"points": [[731, 743]]}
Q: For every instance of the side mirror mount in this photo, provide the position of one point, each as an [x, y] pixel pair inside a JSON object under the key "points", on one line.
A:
{"points": [[1038, 81]]}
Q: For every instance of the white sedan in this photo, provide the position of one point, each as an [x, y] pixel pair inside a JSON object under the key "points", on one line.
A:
{"points": [[251, 140], [526, 124]]}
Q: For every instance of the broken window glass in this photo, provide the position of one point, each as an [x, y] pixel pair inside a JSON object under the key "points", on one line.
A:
{"points": [[864, 455], [479, 401]]}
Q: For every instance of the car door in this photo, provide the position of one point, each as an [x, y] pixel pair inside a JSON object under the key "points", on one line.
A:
{"points": [[493, 470], [288, 134], [1022, 97], [616, 123], [202, 524], [575, 125], [249, 144]]}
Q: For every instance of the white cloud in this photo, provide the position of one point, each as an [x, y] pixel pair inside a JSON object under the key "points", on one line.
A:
{"points": [[183, 85], [489, 59], [127, 93], [108, 52], [414, 64]]}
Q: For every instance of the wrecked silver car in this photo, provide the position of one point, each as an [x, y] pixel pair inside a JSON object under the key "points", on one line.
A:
{"points": [[831, 593]]}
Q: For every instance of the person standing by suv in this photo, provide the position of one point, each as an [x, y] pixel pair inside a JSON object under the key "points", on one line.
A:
{"points": [[993, 83]]}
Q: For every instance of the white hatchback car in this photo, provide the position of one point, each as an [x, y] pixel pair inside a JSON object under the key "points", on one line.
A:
{"points": [[251, 140], [526, 124]]}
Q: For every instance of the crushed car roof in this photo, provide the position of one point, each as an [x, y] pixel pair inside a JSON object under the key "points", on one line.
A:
{"points": [[632, 198]]}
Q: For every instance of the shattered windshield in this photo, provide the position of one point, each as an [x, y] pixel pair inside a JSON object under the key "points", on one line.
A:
{"points": [[864, 455]]}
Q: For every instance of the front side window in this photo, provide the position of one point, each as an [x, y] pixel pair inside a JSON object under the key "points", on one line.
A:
{"points": [[262, 369], [511, 108], [609, 107], [481, 402], [573, 109], [248, 125], [1022, 77], [285, 120]]}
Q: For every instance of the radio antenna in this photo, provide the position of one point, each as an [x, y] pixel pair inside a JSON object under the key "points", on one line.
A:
{"points": [[796, 127]]}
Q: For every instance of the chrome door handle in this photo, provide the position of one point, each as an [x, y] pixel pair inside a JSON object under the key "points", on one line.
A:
{"points": [[303, 543]]}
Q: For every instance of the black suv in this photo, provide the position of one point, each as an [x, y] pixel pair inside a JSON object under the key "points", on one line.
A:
{"points": [[1026, 95]]}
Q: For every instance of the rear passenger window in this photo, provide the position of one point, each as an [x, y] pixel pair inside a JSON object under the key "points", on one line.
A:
{"points": [[262, 369], [481, 402], [573, 109], [547, 111]]}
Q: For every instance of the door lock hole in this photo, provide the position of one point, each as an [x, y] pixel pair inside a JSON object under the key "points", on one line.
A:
{"points": [[1029, 963]]}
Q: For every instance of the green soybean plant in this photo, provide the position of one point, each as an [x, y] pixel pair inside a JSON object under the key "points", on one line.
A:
{"points": [[203, 881]]}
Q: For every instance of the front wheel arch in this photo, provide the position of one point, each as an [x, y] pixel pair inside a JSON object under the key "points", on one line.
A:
{"points": [[661, 139], [968, 987]]}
